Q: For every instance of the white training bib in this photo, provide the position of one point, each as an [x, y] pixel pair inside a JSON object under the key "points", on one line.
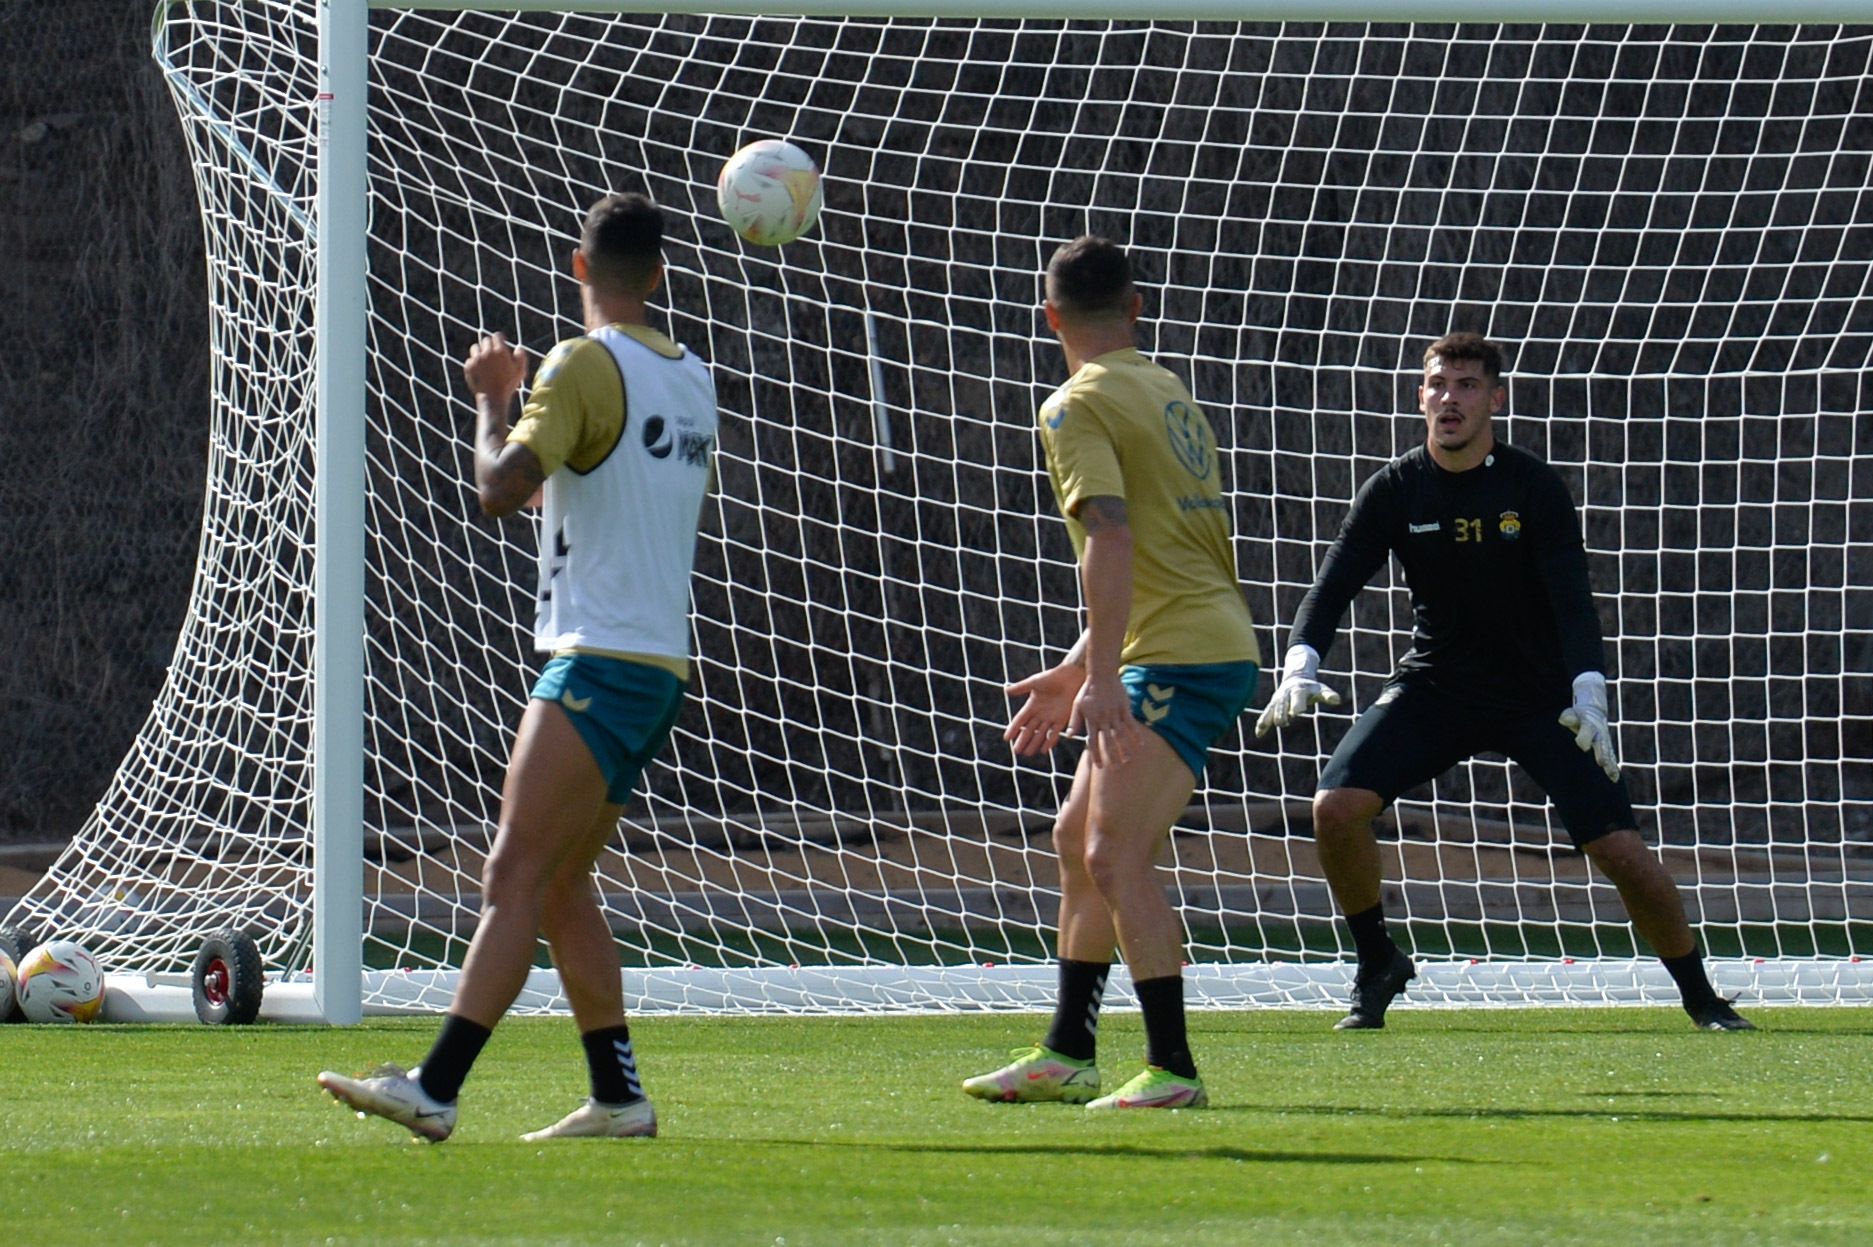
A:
{"points": [[618, 541]]}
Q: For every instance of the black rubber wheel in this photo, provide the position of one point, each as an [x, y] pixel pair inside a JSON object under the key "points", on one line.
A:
{"points": [[15, 943], [227, 979]]}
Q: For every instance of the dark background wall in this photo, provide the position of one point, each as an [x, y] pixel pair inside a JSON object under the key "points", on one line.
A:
{"points": [[103, 399], [103, 376]]}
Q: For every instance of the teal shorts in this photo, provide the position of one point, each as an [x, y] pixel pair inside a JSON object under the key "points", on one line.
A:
{"points": [[623, 711], [1191, 705]]}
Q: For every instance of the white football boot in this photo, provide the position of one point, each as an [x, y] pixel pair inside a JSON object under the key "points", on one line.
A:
{"points": [[592, 1120], [390, 1093]]}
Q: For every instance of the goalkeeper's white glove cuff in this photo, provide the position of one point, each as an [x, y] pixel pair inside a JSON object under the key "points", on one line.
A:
{"points": [[1302, 661], [1590, 690]]}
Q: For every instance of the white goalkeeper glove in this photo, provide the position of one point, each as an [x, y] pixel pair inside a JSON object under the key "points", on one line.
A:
{"points": [[1586, 718], [1298, 693]]}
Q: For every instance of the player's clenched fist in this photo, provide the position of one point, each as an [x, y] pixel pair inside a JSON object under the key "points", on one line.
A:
{"points": [[493, 367]]}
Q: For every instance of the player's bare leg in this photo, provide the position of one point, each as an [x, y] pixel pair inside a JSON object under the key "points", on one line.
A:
{"points": [[586, 955], [1132, 808], [584, 950], [1107, 836], [554, 791], [1651, 897], [1349, 857], [1086, 932], [1349, 852], [1062, 1066], [1656, 908]]}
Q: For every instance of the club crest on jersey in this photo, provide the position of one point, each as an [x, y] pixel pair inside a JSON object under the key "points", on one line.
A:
{"points": [[1190, 442], [1510, 526]]}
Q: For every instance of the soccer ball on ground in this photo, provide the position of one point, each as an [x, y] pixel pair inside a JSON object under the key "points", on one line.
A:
{"points": [[60, 982], [769, 192]]}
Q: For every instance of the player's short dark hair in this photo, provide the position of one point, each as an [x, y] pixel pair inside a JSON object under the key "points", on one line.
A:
{"points": [[1473, 347], [1090, 276], [623, 242]]}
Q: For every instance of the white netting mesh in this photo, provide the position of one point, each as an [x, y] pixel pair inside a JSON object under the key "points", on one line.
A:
{"points": [[1671, 227]]}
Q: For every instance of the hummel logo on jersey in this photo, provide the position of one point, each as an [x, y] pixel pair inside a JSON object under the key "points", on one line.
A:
{"points": [[1156, 702], [578, 705], [1432, 527]]}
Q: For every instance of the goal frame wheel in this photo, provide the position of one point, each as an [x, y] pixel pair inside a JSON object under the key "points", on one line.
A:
{"points": [[15, 942], [226, 979]]}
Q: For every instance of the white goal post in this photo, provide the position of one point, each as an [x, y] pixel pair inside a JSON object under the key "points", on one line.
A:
{"points": [[1671, 226]]}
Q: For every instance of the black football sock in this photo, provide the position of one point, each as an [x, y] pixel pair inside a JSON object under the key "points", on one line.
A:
{"points": [[447, 1065], [1166, 1044], [614, 1067], [1374, 945], [1075, 1030], [1688, 973]]}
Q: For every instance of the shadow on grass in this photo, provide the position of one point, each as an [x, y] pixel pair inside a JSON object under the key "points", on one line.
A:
{"points": [[1137, 1151], [1408, 1022], [1648, 1095], [1624, 1114]]}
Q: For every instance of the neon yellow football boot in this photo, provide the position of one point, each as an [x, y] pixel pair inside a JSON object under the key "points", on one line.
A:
{"points": [[1037, 1074], [1156, 1088]]}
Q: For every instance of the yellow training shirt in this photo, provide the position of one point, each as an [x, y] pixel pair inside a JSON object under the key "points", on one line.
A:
{"points": [[1123, 427], [576, 409]]}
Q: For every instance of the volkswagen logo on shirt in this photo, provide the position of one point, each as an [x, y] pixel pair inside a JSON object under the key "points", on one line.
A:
{"points": [[1189, 436]]}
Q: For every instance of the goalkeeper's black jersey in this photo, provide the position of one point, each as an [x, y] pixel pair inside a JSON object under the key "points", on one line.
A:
{"points": [[1501, 608]]}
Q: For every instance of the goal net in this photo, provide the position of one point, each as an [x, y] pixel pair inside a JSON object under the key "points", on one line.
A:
{"points": [[1670, 227]]}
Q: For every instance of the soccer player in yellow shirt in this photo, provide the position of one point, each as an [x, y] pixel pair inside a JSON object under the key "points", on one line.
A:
{"points": [[1167, 662], [617, 437]]}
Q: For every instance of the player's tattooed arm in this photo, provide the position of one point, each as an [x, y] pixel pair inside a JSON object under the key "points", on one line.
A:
{"points": [[1102, 512], [507, 474]]}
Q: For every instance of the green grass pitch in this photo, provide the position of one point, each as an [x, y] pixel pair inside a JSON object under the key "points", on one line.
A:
{"points": [[1617, 1126]]}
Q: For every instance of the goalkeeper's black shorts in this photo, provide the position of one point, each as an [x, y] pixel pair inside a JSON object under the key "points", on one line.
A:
{"points": [[1413, 733]]}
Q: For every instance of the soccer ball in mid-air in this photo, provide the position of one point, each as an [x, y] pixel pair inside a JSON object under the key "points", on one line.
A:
{"points": [[60, 982], [769, 192]]}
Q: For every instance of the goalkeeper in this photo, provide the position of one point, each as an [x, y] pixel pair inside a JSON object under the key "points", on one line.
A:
{"points": [[1505, 658]]}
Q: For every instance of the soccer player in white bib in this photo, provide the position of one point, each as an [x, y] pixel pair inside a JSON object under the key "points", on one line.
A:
{"points": [[1506, 657], [1167, 662], [619, 432]]}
